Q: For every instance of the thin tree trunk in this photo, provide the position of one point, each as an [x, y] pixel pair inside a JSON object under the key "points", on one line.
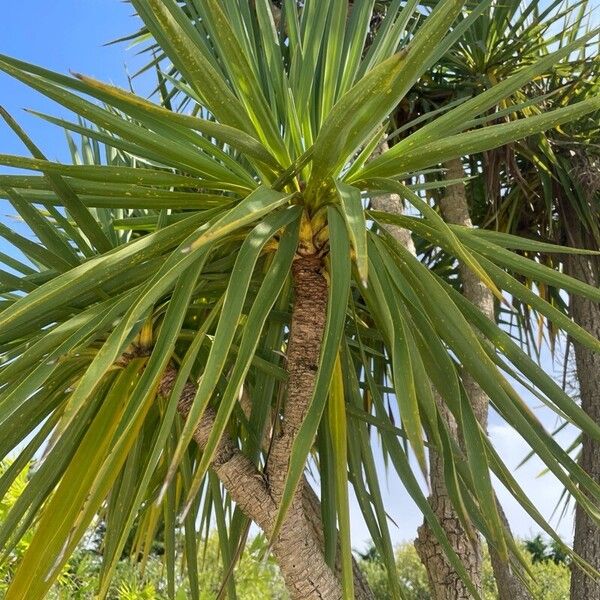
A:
{"points": [[444, 581], [392, 203], [509, 584], [586, 313], [298, 548]]}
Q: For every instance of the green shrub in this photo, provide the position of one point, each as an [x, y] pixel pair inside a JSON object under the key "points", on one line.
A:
{"points": [[551, 581]]}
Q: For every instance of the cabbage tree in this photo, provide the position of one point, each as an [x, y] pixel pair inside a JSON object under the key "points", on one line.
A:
{"points": [[212, 312]]}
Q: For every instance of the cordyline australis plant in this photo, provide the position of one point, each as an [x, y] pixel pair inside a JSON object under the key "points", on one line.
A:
{"points": [[217, 307]]}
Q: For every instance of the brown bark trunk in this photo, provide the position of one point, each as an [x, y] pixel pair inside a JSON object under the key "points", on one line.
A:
{"points": [[586, 313], [298, 548], [312, 510], [444, 581], [303, 352]]}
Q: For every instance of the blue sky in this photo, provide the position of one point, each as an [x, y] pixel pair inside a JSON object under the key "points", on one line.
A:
{"points": [[61, 35], [69, 35]]}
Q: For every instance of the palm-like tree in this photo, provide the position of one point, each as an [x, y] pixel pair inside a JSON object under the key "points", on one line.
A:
{"points": [[546, 187], [175, 279], [554, 190], [507, 37]]}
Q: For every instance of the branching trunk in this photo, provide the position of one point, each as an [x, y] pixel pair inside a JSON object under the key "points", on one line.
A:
{"points": [[312, 510], [586, 313], [298, 548], [445, 582]]}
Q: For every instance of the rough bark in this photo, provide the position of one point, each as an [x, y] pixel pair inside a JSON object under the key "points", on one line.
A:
{"points": [[445, 582], [303, 352], [298, 548], [586, 313], [312, 511]]}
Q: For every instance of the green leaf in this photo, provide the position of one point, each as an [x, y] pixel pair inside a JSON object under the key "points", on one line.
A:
{"points": [[102, 173], [154, 453], [258, 204], [46, 233], [354, 42], [515, 242], [443, 229], [338, 16], [456, 331], [93, 273], [534, 373], [244, 78], [34, 251], [396, 161], [403, 375], [14, 396], [480, 469], [532, 269], [354, 214], [378, 523], [339, 438], [140, 140], [404, 470], [250, 209]]}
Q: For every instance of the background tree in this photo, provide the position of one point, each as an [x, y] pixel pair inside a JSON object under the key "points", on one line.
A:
{"points": [[547, 187], [507, 37]]}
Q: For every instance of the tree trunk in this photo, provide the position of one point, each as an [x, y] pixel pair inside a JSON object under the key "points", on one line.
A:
{"points": [[298, 548], [508, 583], [586, 314], [312, 510], [445, 582]]}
